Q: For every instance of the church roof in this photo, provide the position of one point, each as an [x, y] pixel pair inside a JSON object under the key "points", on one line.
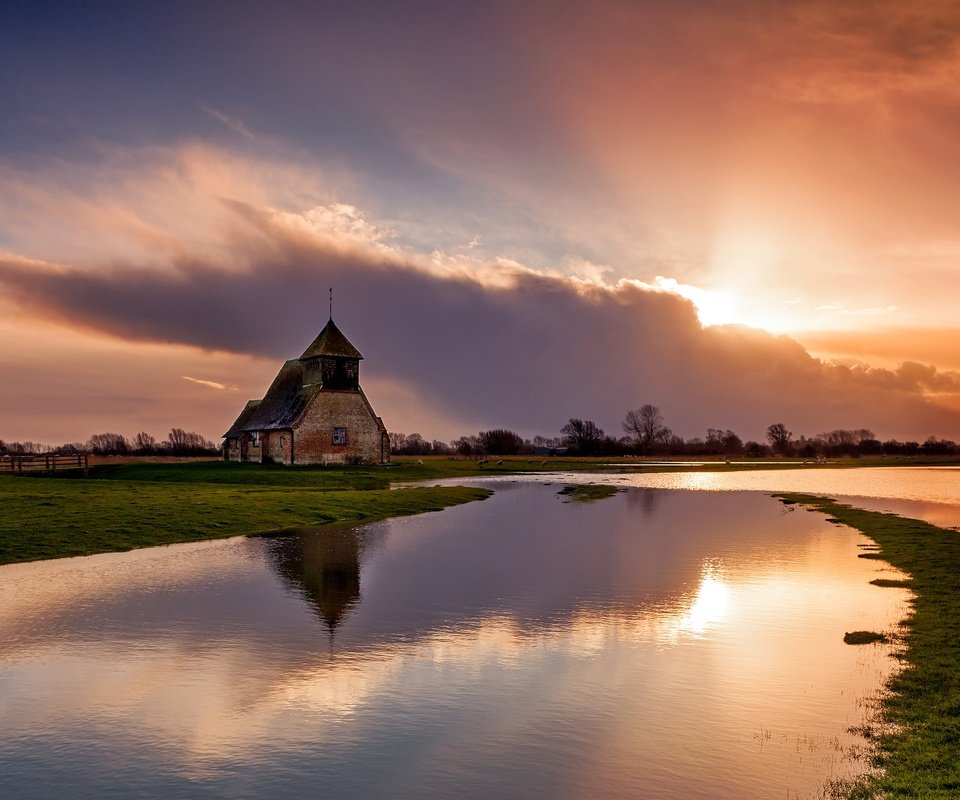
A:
{"points": [[237, 428], [284, 401], [331, 342]]}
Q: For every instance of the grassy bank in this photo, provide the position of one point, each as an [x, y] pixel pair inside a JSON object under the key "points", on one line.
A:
{"points": [[54, 518], [918, 746]]}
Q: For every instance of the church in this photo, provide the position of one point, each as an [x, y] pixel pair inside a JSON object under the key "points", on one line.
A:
{"points": [[313, 413]]}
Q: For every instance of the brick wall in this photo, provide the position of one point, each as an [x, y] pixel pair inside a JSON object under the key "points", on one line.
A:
{"points": [[313, 436], [231, 450], [276, 446]]}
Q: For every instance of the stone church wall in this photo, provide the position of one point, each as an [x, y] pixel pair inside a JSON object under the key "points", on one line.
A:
{"points": [[313, 436], [276, 446]]}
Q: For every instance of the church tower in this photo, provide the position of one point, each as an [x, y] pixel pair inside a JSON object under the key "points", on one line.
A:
{"points": [[331, 362]]}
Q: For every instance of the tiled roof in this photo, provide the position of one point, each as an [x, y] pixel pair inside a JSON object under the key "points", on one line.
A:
{"points": [[284, 401], [331, 342]]}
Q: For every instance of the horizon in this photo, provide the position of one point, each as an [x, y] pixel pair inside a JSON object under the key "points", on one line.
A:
{"points": [[742, 216]]}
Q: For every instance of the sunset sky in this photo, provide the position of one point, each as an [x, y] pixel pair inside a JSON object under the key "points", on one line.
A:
{"points": [[743, 213]]}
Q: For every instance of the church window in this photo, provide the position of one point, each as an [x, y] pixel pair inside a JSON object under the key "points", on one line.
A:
{"points": [[255, 438], [339, 435]]}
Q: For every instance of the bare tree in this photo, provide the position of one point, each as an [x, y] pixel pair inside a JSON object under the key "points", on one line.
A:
{"points": [[466, 445], [188, 443], [583, 435], [108, 444], [645, 426], [416, 445], [500, 442], [439, 448], [143, 442], [724, 442], [779, 437], [177, 439]]}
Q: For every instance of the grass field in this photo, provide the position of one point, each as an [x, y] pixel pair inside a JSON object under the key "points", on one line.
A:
{"points": [[54, 517], [918, 744]]}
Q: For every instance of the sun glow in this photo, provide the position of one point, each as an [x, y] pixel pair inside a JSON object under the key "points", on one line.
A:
{"points": [[727, 307], [713, 307]]}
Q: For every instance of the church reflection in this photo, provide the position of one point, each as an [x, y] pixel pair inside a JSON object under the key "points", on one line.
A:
{"points": [[645, 500], [322, 565]]}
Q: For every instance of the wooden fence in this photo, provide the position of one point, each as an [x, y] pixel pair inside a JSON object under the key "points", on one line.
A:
{"points": [[47, 462]]}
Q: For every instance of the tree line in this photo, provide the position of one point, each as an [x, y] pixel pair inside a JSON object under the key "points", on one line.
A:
{"points": [[178, 443], [645, 432]]}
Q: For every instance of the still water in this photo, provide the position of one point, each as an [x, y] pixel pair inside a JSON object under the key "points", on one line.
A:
{"points": [[929, 493], [655, 644]]}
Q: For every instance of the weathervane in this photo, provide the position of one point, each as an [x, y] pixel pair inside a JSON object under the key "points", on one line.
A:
{"points": [[331, 303]]}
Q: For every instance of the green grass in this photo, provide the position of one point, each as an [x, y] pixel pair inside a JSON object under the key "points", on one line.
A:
{"points": [[587, 493], [44, 518], [317, 477], [918, 742], [231, 473]]}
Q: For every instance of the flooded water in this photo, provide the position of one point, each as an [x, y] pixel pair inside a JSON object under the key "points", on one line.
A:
{"points": [[660, 644], [928, 493]]}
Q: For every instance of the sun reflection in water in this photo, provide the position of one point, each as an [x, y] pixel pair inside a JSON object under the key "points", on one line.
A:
{"points": [[710, 605]]}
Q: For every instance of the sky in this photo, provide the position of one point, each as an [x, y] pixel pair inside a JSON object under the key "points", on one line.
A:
{"points": [[743, 213]]}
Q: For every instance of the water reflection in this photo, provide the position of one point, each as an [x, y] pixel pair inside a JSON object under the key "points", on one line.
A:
{"points": [[645, 501], [323, 565], [710, 604], [514, 648]]}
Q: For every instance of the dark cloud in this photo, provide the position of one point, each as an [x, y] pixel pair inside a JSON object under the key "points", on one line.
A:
{"points": [[526, 352]]}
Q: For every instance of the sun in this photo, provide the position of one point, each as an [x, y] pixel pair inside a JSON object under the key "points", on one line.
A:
{"points": [[714, 307], [729, 307]]}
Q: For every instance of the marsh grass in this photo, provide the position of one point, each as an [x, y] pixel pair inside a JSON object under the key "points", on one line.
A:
{"points": [[918, 740], [863, 637], [588, 493]]}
